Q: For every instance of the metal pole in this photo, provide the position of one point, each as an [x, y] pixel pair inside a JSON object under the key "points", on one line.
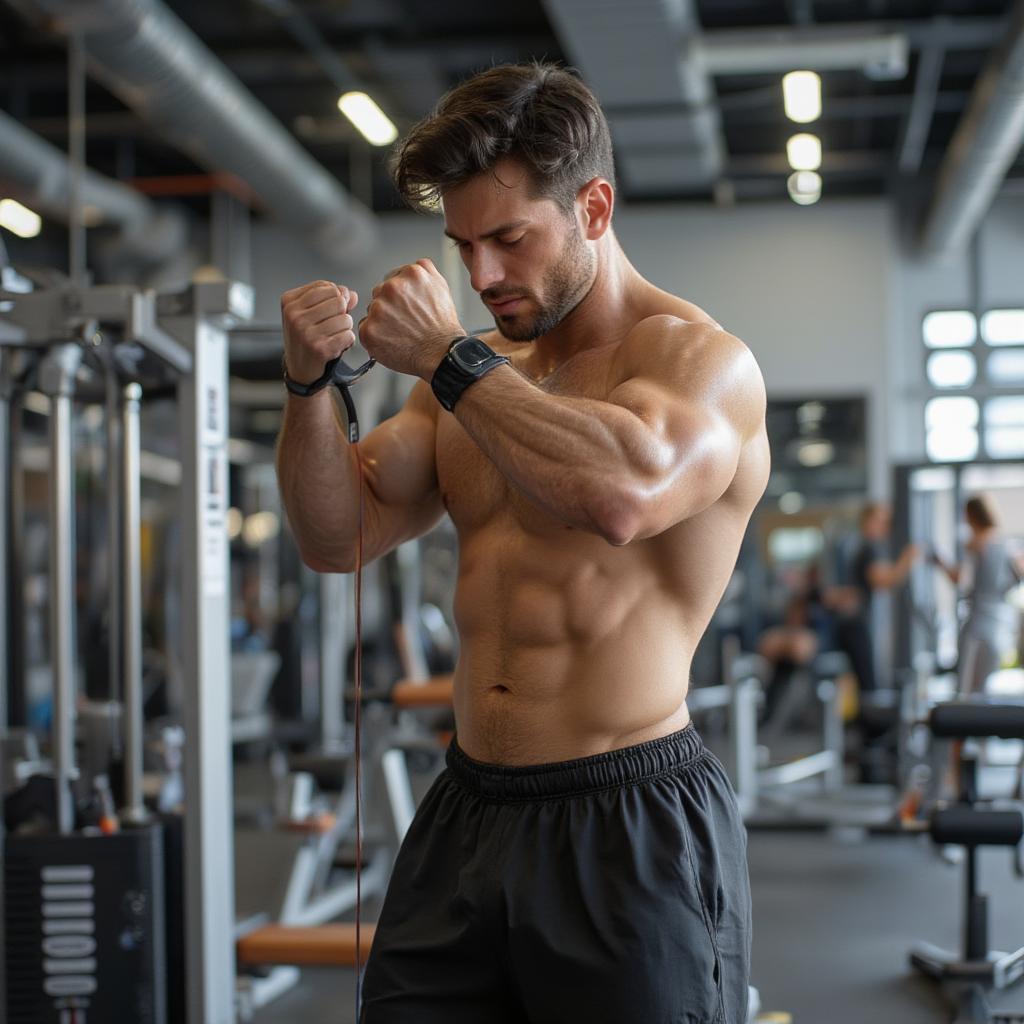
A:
{"points": [[56, 378], [115, 567], [76, 156], [135, 808], [6, 679], [209, 860], [17, 710]]}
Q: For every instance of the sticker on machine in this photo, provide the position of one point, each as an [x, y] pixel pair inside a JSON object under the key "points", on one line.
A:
{"points": [[214, 543]]}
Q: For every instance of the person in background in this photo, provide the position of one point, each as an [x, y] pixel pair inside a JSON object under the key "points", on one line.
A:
{"points": [[987, 574], [792, 644], [870, 571]]}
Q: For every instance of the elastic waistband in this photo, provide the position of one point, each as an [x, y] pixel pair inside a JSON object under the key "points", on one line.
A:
{"points": [[615, 768]]}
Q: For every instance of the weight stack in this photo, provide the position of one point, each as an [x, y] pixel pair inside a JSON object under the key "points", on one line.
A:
{"points": [[85, 928]]}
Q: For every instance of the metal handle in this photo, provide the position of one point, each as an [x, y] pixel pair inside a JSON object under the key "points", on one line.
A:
{"points": [[343, 375]]}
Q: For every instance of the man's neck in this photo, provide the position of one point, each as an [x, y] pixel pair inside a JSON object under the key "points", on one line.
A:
{"points": [[605, 314]]}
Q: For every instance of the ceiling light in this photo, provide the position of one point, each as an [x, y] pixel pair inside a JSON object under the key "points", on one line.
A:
{"points": [[804, 187], [373, 124], [801, 96], [804, 152], [813, 454], [792, 502], [20, 220]]}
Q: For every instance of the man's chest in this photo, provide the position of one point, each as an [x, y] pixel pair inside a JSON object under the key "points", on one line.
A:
{"points": [[473, 488]]}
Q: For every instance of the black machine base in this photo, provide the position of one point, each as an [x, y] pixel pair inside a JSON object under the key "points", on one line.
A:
{"points": [[85, 928]]}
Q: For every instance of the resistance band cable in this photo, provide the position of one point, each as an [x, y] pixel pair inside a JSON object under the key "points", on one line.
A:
{"points": [[342, 377]]}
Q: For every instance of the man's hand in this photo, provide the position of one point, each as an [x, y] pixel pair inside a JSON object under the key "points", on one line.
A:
{"points": [[411, 320], [317, 327]]}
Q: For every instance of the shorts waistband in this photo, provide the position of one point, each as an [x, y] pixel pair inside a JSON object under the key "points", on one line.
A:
{"points": [[628, 765]]}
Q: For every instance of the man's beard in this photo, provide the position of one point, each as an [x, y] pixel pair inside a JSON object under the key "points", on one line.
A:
{"points": [[569, 281]]}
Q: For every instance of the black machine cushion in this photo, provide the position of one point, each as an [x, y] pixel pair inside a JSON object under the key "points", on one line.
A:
{"points": [[965, 826], [962, 720]]}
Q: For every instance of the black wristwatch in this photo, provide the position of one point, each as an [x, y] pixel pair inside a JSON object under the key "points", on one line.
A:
{"points": [[468, 359]]}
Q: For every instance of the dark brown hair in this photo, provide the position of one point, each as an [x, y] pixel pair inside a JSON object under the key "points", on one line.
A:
{"points": [[980, 513], [538, 113]]}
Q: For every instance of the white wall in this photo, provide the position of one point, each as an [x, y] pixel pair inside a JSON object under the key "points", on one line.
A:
{"points": [[826, 296]]}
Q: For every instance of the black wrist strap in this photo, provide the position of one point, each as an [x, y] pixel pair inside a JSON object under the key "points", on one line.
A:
{"points": [[307, 390]]}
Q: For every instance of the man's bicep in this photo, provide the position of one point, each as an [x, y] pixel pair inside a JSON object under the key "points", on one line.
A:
{"points": [[401, 471]]}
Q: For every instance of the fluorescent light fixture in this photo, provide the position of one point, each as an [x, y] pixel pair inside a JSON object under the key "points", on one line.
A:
{"points": [[804, 187], [804, 152], [260, 527], [374, 125], [813, 454], [801, 96], [792, 502], [20, 220]]}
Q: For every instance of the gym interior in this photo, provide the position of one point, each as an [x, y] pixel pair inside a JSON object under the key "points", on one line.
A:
{"points": [[210, 751]]}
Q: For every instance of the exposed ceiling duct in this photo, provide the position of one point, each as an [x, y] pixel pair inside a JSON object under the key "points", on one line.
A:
{"points": [[642, 60], [881, 53], [40, 175], [153, 62], [985, 145], [652, 67]]}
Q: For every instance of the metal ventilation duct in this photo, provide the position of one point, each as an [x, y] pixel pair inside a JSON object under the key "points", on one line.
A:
{"points": [[985, 144], [153, 62], [642, 59], [41, 175]]}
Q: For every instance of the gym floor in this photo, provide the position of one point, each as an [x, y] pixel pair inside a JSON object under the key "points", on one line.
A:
{"points": [[833, 923]]}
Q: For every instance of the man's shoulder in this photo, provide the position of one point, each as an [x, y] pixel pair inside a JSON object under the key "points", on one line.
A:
{"points": [[666, 343]]}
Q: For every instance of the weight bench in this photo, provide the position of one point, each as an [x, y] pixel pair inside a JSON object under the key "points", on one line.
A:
{"points": [[977, 970], [326, 945]]}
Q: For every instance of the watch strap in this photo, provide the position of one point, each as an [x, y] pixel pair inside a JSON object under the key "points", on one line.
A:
{"points": [[450, 379]]}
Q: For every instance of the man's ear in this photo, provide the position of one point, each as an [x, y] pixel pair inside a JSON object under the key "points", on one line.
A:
{"points": [[596, 200]]}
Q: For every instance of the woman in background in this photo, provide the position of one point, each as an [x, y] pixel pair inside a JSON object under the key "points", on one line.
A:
{"points": [[987, 574]]}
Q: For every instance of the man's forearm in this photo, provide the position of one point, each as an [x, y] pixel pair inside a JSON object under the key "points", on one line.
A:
{"points": [[579, 459], [318, 481]]}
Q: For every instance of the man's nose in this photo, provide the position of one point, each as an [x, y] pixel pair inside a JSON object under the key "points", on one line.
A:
{"points": [[485, 270]]}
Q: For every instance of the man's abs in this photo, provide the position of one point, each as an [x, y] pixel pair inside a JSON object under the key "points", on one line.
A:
{"points": [[568, 646]]}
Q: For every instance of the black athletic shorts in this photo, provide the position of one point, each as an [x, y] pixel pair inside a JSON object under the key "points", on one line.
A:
{"points": [[607, 890]]}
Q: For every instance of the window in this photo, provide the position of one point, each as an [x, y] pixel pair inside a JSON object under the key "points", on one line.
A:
{"points": [[950, 328], [1006, 366], [952, 429], [952, 369], [1003, 327], [1004, 426], [981, 355]]}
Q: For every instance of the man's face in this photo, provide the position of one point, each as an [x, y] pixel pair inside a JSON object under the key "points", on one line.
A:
{"points": [[879, 522], [526, 257]]}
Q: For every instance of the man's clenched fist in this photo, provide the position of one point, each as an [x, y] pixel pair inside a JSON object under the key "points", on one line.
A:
{"points": [[317, 327], [411, 320]]}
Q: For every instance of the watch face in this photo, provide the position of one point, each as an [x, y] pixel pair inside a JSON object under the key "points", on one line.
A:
{"points": [[471, 353]]}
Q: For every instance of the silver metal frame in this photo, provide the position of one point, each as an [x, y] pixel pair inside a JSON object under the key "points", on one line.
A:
{"points": [[199, 325], [130, 564], [188, 332], [57, 380]]}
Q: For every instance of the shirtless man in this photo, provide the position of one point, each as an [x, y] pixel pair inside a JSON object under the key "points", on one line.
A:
{"points": [[581, 859]]}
